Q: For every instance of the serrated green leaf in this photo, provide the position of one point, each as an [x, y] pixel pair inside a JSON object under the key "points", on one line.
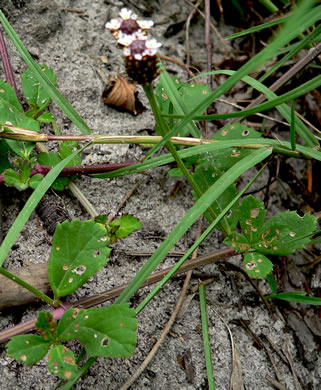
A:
{"points": [[46, 117], [13, 179], [79, 250], [225, 159], [107, 331], [28, 348], [205, 176], [238, 242], [175, 172], [49, 159], [101, 219], [126, 224], [252, 214], [8, 93], [47, 326], [60, 184], [37, 97], [257, 265], [285, 232], [11, 115], [35, 181], [61, 362], [66, 149], [192, 93]]}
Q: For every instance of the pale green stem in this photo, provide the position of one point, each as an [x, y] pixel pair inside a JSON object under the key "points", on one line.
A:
{"points": [[29, 287], [206, 340], [164, 129]]}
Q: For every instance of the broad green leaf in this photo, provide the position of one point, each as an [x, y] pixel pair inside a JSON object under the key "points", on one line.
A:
{"points": [[28, 348], [46, 117], [61, 362], [191, 216], [205, 176], [175, 172], [169, 87], [59, 99], [257, 265], [226, 158], [47, 326], [238, 242], [37, 97], [252, 215], [125, 225], [8, 94], [4, 154], [66, 149], [60, 184], [13, 179], [11, 115], [35, 181], [79, 250], [49, 159], [107, 331], [28, 208], [192, 93], [285, 232]]}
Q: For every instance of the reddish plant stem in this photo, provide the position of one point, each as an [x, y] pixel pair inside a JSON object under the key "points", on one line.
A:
{"points": [[7, 65], [78, 170]]}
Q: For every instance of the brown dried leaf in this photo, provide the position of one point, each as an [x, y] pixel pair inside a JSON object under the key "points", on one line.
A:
{"points": [[122, 95]]}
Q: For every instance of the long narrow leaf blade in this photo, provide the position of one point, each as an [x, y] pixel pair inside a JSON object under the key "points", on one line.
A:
{"points": [[60, 100], [30, 205], [191, 216]]}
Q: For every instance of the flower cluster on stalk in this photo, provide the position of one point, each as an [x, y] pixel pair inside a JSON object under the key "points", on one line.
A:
{"points": [[139, 51]]}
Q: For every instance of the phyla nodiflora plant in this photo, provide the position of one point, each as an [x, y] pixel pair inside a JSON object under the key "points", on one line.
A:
{"points": [[140, 52]]}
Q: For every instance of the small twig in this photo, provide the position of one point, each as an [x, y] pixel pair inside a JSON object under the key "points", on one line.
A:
{"points": [[257, 114], [208, 43], [121, 204], [223, 43], [76, 191], [188, 23], [180, 63], [309, 57], [115, 292], [275, 383], [286, 351]]}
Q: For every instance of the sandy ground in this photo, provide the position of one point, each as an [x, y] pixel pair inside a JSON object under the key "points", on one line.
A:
{"points": [[73, 45]]}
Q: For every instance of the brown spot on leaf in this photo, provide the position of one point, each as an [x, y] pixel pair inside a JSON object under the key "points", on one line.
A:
{"points": [[69, 360]]}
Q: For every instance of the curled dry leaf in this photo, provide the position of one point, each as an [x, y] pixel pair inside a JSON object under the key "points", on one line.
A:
{"points": [[122, 95]]}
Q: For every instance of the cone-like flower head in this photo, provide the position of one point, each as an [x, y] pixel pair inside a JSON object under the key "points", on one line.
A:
{"points": [[139, 51], [128, 24]]}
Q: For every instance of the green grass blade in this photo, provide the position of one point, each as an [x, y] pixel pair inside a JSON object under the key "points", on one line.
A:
{"points": [[190, 217], [60, 100], [284, 147], [206, 339], [258, 28], [30, 205], [296, 296], [297, 23], [284, 110], [176, 99], [292, 127], [293, 51], [196, 244]]}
